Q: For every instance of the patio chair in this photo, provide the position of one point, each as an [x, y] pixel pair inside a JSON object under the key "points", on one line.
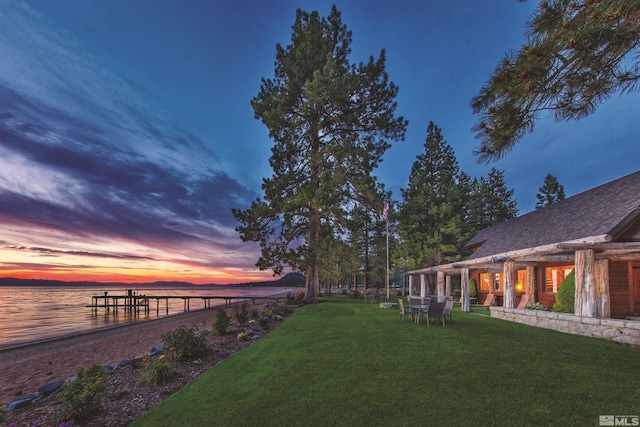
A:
{"points": [[489, 300], [404, 311], [436, 311], [448, 309], [524, 301]]}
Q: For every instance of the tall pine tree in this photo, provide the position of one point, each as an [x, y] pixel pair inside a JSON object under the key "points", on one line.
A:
{"points": [[431, 227], [331, 122]]}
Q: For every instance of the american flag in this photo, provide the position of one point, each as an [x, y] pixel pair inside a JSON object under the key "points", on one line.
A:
{"points": [[385, 212]]}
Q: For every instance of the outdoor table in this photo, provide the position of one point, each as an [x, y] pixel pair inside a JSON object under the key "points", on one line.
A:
{"points": [[420, 308]]}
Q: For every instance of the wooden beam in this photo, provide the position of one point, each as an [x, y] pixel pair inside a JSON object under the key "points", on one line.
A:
{"points": [[509, 285], [465, 302], [530, 284], [585, 293], [602, 288]]}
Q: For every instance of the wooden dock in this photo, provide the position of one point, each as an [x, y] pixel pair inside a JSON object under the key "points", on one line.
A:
{"points": [[136, 304]]}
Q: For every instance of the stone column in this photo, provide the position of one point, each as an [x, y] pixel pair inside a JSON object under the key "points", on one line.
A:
{"points": [[509, 285]]}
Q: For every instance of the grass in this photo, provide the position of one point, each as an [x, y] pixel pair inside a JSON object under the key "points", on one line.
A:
{"points": [[350, 363]]}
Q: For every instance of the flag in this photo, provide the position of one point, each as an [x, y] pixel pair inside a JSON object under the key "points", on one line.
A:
{"points": [[385, 212]]}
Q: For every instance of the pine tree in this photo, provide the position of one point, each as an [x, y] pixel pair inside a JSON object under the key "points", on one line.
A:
{"points": [[552, 191], [431, 225], [577, 54], [331, 122], [490, 201]]}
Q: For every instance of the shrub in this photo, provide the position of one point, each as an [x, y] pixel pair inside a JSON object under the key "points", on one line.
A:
{"points": [[356, 293], [537, 306], [82, 397], [566, 294], [185, 343], [300, 297], [254, 314], [158, 372], [242, 336], [264, 323], [221, 322], [473, 289], [240, 313]]}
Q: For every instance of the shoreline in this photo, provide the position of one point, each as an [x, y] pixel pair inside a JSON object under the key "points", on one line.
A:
{"points": [[25, 368]]}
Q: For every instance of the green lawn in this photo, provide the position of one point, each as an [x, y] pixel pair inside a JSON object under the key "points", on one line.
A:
{"points": [[349, 363]]}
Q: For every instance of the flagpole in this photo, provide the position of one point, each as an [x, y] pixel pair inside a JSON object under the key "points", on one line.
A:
{"points": [[387, 221]]}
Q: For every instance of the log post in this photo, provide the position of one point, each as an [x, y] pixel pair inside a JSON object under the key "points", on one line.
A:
{"points": [[448, 292], [465, 302], [585, 294], [410, 285], [440, 286], [423, 285], [530, 284], [602, 287], [509, 284]]}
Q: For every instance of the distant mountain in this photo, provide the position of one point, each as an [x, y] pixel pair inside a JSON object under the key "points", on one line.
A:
{"points": [[288, 280]]}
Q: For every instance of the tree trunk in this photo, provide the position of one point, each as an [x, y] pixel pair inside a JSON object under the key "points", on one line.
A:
{"points": [[312, 284], [509, 285]]}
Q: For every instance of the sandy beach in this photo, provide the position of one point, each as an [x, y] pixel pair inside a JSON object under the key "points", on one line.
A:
{"points": [[26, 368]]}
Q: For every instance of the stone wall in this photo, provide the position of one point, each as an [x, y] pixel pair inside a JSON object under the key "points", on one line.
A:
{"points": [[618, 330]]}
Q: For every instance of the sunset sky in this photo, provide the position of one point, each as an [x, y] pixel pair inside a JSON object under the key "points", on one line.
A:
{"points": [[127, 135]]}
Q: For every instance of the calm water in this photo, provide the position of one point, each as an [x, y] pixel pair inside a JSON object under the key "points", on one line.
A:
{"points": [[30, 314]]}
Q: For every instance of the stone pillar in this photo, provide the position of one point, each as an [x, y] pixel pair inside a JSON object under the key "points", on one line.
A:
{"points": [[465, 303], [585, 295], [509, 285], [602, 288], [440, 286], [530, 284]]}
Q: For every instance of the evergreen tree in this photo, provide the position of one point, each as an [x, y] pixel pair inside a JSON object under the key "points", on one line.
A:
{"points": [[331, 122], [552, 191], [577, 54], [431, 225], [490, 201]]}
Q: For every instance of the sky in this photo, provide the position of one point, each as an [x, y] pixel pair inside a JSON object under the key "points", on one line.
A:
{"points": [[127, 134]]}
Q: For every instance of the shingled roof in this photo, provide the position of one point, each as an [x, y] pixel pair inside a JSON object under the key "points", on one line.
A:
{"points": [[606, 210]]}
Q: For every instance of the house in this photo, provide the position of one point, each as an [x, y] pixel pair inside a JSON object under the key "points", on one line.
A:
{"points": [[596, 232]]}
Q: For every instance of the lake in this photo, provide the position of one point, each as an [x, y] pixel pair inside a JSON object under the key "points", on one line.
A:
{"points": [[30, 314]]}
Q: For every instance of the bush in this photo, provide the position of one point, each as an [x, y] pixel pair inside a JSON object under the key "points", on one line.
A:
{"points": [[565, 297], [82, 397], [537, 306], [159, 372], [264, 323], [473, 289], [185, 343], [254, 314], [242, 336], [300, 297], [221, 322], [240, 313]]}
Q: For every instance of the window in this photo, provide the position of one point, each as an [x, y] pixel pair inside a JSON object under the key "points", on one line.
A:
{"points": [[554, 277], [491, 281], [521, 280]]}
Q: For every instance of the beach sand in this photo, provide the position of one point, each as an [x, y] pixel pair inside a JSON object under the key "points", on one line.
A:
{"points": [[24, 369]]}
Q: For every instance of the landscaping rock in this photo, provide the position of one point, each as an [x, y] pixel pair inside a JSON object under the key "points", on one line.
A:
{"points": [[22, 402], [50, 388]]}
